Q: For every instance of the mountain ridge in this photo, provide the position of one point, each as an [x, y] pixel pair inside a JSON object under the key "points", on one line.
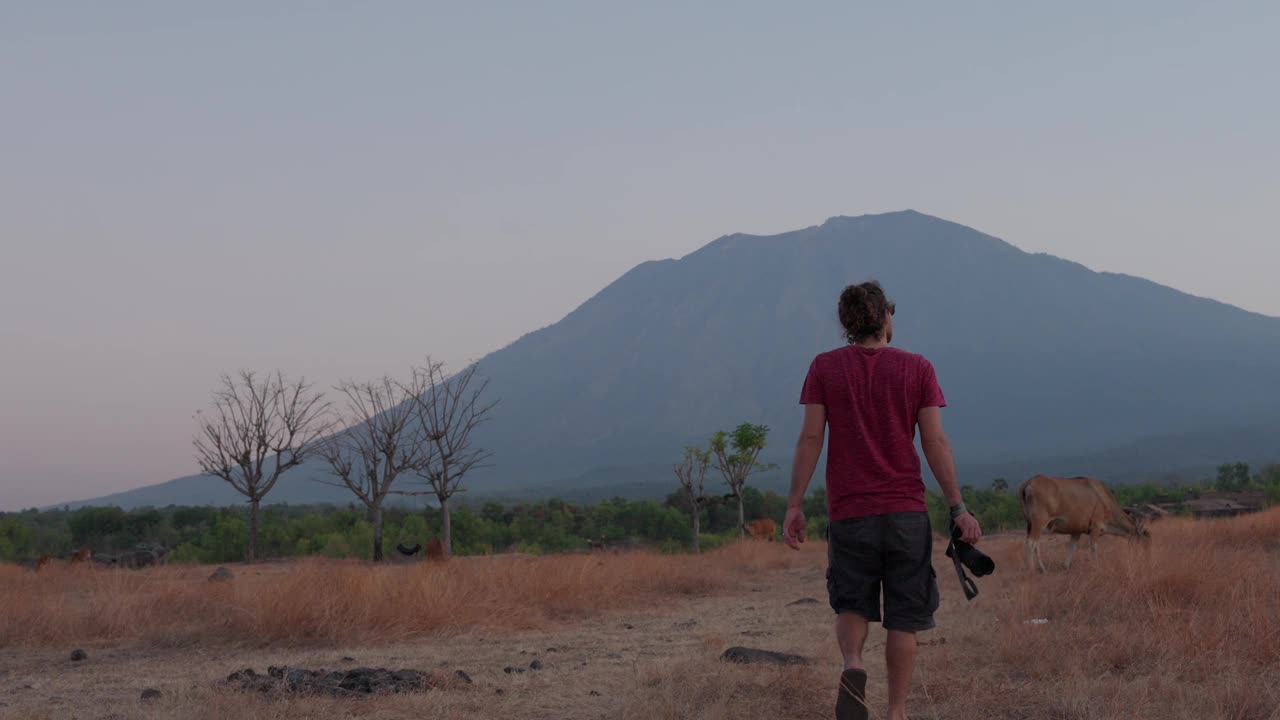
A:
{"points": [[1079, 362]]}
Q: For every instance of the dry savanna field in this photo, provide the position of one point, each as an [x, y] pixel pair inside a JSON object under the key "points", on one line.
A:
{"points": [[1189, 628]]}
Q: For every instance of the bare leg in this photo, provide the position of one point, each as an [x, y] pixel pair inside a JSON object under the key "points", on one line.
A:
{"points": [[851, 696], [851, 635], [900, 658]]}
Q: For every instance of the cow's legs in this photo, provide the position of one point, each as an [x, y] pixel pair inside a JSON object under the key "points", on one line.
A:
{"points": [[1033, 550], [1071, 549]]}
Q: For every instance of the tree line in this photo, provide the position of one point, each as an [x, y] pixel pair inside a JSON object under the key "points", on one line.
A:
{"points": [[221, 535]]}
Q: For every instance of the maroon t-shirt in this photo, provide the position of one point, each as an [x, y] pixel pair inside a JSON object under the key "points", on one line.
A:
{"points": [[873, 398]]}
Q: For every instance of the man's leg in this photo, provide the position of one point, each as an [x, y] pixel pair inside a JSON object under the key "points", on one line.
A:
{"points": [[910, 599], [853, 582], [851, 696], [851, 635], [900, 658]]}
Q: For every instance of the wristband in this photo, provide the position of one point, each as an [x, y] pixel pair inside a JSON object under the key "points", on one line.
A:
{"points": [[958, 509]]}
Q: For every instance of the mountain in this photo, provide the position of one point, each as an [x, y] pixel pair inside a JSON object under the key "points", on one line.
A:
{"points": [[1047, 365]]}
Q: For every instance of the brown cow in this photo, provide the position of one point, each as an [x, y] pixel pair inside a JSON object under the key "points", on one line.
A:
{"points": [[43, 562], [764, 529], [596, 544], [83, 555], [435, 549], [1073, 506]]}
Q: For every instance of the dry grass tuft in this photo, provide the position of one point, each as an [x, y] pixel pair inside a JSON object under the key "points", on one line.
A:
{"points": [[328, 601]]}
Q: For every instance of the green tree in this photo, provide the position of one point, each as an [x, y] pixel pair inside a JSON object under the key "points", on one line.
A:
{"points": [[1232, 476], [1000, 485], [96, 526], [736, 454]]}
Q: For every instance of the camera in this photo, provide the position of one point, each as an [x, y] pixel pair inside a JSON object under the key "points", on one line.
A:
{"points": [[971, 557], [964, 556]]}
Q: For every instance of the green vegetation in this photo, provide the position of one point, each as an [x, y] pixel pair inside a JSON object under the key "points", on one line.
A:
{"points": [[221, 535]]}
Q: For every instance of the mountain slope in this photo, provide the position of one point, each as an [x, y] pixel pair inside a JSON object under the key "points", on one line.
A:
{"points": [[1041, 359]]}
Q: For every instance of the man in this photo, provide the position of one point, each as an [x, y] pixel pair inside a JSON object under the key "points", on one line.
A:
{"points": [[873, 397]]}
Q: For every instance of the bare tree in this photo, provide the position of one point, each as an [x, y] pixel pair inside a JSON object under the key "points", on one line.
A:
{"points": [[692, 473], [736, 454], [450, 409], [382, 441], [256, 431]]}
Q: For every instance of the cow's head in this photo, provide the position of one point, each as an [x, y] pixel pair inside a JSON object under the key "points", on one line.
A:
{"points": [[1140, 531]]}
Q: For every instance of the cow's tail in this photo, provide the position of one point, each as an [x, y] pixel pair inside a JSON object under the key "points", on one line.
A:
{"points": [[1024, 499]]}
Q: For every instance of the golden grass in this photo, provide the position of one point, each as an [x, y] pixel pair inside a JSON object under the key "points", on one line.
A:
{"points": [[328, 601], [1187, 627]]}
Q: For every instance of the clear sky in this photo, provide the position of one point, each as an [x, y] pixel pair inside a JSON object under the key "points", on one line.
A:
{"points": [[337, 189]]}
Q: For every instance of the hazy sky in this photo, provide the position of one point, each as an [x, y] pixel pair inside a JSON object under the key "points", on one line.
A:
{"points": [[336, 190]]}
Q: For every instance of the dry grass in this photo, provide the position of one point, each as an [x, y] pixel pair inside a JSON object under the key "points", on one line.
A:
{"points": [[332, 602], [1186, 628]]}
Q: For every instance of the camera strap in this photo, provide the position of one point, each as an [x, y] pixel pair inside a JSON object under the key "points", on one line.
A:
{"points": [[966, 583]]}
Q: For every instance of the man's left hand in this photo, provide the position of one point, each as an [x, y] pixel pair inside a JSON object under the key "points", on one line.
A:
{"points": [[970, 531]]}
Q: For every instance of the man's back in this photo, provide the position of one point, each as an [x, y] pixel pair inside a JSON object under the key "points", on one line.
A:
{"points": [[873, 397], [869, 399]]}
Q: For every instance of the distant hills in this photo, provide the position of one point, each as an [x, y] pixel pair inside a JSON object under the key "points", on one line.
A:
{"points": [[1047, 365]]}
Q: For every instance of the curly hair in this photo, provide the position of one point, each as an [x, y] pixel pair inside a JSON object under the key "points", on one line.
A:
{"points": [[862, 311]]}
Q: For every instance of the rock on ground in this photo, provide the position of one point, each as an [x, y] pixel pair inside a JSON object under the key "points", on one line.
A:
{"points": [[754, 656], [360, 681]]}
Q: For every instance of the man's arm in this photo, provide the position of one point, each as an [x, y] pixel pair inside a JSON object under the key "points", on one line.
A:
{"points": [[808, 449], [937, 450]]}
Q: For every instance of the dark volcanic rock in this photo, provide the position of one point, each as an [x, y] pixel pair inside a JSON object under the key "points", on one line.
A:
{"points": [[535, 665], [151, 694], [79, 656], [754, 656], [221, 575], [804, 601], [359, 681]]}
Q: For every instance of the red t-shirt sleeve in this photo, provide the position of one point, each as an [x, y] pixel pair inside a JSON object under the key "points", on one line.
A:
{"points": [[811, 393], [930, 392]]}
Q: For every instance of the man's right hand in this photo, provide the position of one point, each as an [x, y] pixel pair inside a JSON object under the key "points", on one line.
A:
{"points": [[970, 532], [793, 527]]}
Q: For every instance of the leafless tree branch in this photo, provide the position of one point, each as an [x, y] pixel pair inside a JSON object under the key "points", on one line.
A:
{"points": [[382, 441], [449, 410], [252, 421]]}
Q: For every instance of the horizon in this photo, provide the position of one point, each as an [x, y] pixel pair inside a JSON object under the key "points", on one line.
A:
{"points": [[337, 192]]}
